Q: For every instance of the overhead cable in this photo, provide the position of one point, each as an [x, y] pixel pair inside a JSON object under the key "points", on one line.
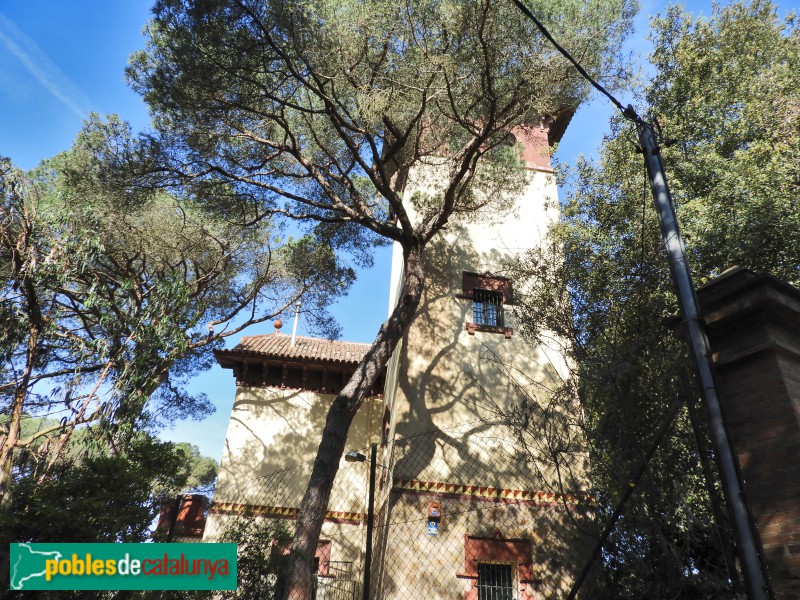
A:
{"points": [[628, 112]]}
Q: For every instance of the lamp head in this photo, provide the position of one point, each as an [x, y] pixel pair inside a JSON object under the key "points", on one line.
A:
{"points": [[353, 456]]}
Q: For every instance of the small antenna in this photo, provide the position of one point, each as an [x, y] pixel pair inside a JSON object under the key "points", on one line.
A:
{"points": [[296, 319]]}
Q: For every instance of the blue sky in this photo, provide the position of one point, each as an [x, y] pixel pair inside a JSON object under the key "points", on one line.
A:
{"points": [[61, 59]]}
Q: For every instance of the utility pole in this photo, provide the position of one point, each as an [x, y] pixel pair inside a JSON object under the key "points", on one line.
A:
{"points": [[754, 576], [754, 573]]}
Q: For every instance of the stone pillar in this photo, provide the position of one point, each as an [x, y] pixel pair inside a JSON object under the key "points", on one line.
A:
{"points": [[754, 329]]}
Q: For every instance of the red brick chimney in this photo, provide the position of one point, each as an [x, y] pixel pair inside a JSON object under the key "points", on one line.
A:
{"points": [[183, 520], [754, 328]]}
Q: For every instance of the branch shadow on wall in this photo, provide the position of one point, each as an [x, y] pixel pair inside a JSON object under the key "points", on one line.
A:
{"points": [[485, 429]]}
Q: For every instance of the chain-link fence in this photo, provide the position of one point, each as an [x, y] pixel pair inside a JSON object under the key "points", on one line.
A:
{"points": [[456, 515]]}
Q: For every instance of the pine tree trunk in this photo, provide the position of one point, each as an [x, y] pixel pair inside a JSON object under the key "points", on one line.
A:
{"points": [[334, 436], [8, 444]]}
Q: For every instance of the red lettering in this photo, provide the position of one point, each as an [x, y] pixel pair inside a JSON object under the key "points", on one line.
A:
{"points": [[222, 567], [152, 561]]}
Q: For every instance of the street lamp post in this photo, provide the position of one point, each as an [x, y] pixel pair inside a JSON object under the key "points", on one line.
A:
{"points": [[353, 456]]}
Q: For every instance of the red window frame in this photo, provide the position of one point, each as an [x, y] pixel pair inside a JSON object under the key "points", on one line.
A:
{"points": [[514, 551]]}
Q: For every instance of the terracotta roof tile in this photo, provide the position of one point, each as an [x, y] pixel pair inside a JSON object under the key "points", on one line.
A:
{"points": [[278, 345]]}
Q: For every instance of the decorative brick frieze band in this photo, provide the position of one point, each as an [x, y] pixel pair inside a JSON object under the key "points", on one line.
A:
{"points": [[453, 490], [490, 493], [282, 512]]}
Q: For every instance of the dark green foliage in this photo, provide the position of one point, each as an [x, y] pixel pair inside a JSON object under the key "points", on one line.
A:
{"points": [[97, 499], [317, 110], [92, 495], [726, 94], [261, 543], [116, 291], [200, 471]]}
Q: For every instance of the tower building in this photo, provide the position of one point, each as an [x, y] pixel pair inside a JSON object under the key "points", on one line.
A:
{"points": [[480, 463]]}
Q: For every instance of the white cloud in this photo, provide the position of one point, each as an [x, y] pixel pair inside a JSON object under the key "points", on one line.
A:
{"points": [[42, 68]]}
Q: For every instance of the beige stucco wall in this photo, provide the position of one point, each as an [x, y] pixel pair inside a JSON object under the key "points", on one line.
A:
{"points": [[485, 486], [433, 565], [272, 439], [445, 377], [271, 442], [272, 429], [457, 389]]}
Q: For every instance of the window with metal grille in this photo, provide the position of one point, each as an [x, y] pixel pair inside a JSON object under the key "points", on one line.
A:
{"points": [[495, 581], [487, 308]]}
